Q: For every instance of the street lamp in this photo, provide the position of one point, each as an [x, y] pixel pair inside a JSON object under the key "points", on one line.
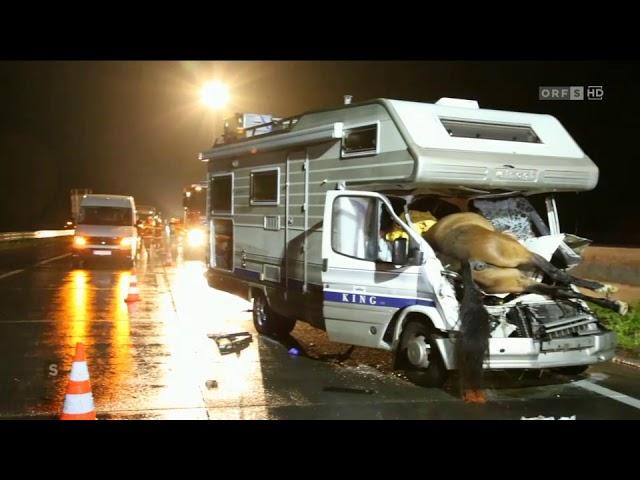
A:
{"points": [[214, 95]]}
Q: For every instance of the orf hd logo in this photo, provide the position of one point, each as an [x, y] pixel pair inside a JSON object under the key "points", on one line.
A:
{"points": [[595, 92], [571, 93]]}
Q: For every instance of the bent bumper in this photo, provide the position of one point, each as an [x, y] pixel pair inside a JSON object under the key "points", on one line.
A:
{"points": [[527, 353]]}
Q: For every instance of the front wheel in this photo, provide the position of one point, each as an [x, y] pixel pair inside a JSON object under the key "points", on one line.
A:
{"points": [[268, 322], [419, 356]]}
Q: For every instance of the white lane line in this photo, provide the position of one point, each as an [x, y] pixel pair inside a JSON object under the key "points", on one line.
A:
{"points": [[53, 259], [8, 274], [620, 397], [15, 272]]}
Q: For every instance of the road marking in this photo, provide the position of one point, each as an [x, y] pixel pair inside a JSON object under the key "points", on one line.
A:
{"points": [[8, 274], [53, 259], [620, 397]]}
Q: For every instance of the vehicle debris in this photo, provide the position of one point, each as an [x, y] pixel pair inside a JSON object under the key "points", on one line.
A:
{"points": [[349, 390], [211, 384], [542, 417], [232, 342]]}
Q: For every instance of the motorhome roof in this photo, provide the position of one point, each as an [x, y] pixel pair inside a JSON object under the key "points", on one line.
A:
{"points": [[455, 145]]}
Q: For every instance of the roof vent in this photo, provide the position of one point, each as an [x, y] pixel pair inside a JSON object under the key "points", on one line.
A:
{"points": [[457, 102]]}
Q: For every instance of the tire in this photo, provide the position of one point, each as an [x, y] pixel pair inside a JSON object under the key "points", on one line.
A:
{"points": [[435, 374], [268, 322], [571, 371]]}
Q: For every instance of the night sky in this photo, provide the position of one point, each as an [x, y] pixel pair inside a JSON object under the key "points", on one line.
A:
{"points": [[137, 127]]}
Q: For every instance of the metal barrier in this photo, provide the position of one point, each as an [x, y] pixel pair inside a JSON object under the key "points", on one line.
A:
{"points": [[33, 235]]}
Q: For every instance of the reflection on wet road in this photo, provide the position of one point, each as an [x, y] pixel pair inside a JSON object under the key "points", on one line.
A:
{"points": [[153, 359]]}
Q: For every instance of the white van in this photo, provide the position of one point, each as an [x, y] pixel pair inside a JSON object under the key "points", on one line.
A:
{"points": [[106, 229]]}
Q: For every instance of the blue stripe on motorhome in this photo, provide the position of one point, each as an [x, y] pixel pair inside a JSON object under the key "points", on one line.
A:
{"points": [[375, 300]]}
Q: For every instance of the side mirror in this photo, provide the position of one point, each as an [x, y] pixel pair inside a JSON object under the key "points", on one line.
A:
{"points": [[399, 252]]}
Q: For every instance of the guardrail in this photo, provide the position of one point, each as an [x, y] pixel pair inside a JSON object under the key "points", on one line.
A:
{"points": [[37, 234]]}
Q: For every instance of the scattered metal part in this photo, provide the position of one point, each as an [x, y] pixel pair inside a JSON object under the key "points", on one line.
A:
{"points": [[210, 384], [542, 417], [232, 342], [349, 390]]}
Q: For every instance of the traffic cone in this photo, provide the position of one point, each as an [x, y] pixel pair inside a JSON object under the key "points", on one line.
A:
{"points": [[133, 294], [78, 402], [168, 258]]}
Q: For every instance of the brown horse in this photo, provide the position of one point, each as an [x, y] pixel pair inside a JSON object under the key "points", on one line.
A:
{"points": [[498, 263], [501, 264]]}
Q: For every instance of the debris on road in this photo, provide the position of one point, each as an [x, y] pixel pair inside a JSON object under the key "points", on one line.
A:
{"points": [[349, 390], [542, 417], [232, 342], [211, 384]]}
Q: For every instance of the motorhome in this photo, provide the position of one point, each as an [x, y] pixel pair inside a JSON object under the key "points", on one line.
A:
{"points": [[295, 214], [106, 229]]}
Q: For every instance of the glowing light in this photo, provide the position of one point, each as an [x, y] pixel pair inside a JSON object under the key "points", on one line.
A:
{"points": [[195, 238], [79, 241], [214, 94], [126, 242]]}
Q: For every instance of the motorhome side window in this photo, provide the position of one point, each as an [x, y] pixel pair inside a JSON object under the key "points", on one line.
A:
{"points": [[265, 187], [355, 227], [220, 194], [490, 131], [360, 141]]}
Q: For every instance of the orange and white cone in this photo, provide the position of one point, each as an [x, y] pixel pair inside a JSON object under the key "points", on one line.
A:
{"points": [[133, 294], [168, 258], [78, 402]]}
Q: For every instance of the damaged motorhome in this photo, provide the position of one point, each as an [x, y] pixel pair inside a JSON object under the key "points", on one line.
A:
{"points": [[300, 210]]}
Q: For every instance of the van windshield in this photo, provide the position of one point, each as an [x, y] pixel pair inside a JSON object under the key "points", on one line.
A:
{"points": [[118, 216]]}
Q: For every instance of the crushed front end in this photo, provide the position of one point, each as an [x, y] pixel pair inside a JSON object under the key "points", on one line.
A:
{"points": [[534, 332]]}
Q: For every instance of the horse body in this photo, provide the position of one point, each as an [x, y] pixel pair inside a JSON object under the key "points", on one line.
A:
{"points": [[500, 263]]}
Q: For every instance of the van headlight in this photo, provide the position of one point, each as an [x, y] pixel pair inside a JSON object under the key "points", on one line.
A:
{"points": [[126, 242], [79, 241], [195, 238]]}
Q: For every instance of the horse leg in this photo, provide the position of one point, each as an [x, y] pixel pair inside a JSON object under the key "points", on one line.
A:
{"points": [[473, 342], [558, 292], [563, 277]]}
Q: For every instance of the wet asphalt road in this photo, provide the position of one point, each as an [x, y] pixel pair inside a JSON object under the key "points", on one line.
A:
{"points": [[153, 359]]}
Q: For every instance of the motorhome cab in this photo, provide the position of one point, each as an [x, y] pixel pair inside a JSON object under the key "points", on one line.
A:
{"points": [[298, 213], [106, 229]]}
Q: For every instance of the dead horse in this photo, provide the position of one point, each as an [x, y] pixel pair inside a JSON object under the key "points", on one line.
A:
{"points": [[500, 263]]}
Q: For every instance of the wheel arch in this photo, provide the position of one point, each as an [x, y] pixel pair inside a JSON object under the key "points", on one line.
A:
{"points": [[429, 315]]}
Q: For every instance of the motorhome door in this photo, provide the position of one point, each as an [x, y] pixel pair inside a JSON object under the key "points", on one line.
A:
{"points": [[362, 287]]}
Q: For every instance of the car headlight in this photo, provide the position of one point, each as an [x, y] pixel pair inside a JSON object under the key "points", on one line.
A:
{"points": [[195, 238], [126, 242], [79, 241]]}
